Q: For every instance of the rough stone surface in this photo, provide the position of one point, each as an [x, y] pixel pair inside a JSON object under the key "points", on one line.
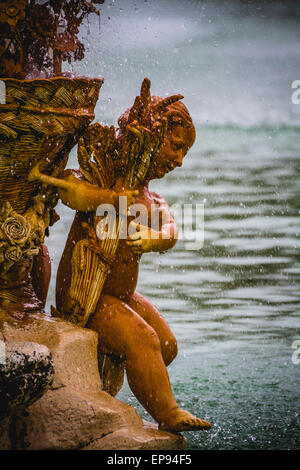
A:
{"points": [[73, 349], [75, 413], [64, 419], [136, 438], [25, 375]]}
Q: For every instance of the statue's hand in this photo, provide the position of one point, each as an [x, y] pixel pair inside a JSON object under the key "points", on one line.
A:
{"points": [[143, 239], [34, 174]]}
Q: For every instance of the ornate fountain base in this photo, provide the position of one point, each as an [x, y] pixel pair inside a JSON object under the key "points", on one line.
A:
{"points": [[75, 413]]}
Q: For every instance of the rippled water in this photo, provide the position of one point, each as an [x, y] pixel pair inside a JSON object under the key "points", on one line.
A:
{"points": [[234, 304]]}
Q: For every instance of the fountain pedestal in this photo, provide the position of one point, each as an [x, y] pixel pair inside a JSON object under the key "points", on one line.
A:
{"points": [[75, 413]]}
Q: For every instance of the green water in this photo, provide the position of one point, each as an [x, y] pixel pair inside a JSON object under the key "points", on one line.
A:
{"points": [[234, 304]]}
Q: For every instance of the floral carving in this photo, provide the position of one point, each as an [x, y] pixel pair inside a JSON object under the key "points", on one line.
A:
{"points": [[13, 253], [12, 12], [16, 229], [21, 235]]}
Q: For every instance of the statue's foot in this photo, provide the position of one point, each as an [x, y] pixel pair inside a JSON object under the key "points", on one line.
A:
{"points": [[181, 420]]}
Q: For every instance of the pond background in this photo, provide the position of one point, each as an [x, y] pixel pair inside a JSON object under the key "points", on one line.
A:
{"points": [[234, 304]]}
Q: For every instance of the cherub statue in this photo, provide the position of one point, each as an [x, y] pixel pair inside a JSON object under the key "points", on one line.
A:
{"points": [[96, 279]]}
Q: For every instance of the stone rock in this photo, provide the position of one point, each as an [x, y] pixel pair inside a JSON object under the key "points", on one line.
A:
{"points": [[73, 348], [64, 419], [25, 374], [75, 413], [136, 438]]}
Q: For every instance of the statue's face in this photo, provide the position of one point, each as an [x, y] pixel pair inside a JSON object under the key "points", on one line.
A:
{"points": [[176, 143]]}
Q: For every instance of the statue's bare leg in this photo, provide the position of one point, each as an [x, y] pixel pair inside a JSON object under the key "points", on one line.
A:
{"points": [[124, 332], [153, 317]]}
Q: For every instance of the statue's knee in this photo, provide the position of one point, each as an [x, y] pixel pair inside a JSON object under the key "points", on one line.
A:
{"points": [[147, 337], [170, 350]]}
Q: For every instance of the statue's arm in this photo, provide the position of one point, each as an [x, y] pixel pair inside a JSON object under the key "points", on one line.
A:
{"points": [[78, 194], [168, 232], [81, 195]]}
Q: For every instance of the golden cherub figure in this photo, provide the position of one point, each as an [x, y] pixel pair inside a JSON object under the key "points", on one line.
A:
{"points": [[153, 138]]}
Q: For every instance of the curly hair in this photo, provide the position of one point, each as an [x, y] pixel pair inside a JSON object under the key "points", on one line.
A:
{"points": [[149, 109]]}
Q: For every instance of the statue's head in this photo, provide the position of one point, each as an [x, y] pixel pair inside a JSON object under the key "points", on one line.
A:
{"points": [[179, 138], [180, 134]]}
